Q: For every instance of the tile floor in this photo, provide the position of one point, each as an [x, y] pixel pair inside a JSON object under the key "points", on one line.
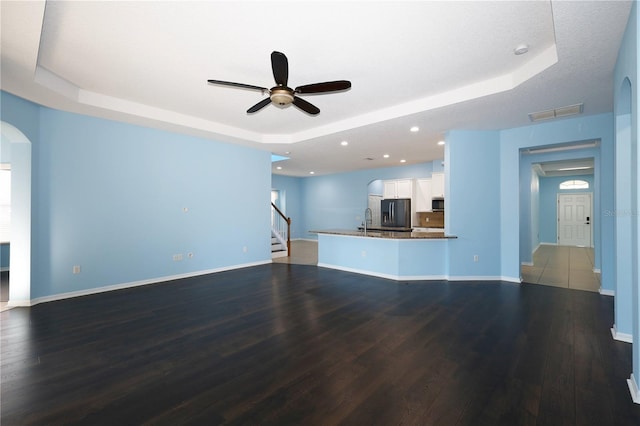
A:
{"points": [[562, 266], [303, 252]]}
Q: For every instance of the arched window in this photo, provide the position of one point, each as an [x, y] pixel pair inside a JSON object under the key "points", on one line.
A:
{"points": [[574, 184]]}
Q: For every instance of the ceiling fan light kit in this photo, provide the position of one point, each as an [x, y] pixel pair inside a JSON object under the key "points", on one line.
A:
{"points": [[281, 94]]}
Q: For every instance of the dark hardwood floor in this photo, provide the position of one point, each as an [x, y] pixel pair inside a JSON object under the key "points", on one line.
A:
{"points": [[293, 344]]}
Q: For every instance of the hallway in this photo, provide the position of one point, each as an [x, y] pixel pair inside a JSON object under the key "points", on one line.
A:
{"points": [[563, 266]]}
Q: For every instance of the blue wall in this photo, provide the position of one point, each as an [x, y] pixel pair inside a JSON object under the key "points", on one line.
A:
{"points": [[535, 209], [110, 197], [5, 250], [626, 108], [472, 213], [549, 191]]}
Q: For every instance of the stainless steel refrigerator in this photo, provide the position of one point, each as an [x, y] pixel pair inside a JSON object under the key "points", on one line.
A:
{"points": [[396, 212]]}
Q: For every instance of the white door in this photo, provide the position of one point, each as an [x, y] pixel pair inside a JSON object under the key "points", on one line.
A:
{"points": [[574, 219]]}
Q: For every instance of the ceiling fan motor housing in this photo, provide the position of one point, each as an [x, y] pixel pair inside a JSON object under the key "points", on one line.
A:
{"points": [[281, 95]]}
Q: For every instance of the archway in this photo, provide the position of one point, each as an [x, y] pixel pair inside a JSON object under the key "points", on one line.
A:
{"points": [[20, 261]]}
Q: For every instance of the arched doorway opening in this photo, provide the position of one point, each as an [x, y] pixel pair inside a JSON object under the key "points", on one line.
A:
{"points": [[16, 148]]}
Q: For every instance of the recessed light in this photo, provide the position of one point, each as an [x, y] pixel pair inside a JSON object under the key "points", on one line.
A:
{"points": [[287, 152], [312, 173], [521, 49], [344, 143], [386, 156], [279, 168], [403, 161], [414, 129], [440, 142]]}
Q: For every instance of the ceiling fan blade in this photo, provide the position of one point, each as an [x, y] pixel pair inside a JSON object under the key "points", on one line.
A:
{"points": [[329, 86], [241, 85], [280, 67], [257, 107], [305, 106]]}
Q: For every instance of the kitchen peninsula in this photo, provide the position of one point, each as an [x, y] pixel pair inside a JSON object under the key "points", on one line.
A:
{"points": [[394, 255]]}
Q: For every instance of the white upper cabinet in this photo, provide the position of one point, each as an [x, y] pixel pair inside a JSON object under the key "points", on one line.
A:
{"points": [[405, 188], [423, 195], [399, 188], [437, 185], [389, 189]]}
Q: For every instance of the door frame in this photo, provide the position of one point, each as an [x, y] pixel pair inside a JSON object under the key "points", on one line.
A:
{"points": [[558, 195]]}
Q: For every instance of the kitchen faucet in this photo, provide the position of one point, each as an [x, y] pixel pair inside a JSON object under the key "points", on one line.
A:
{"points": [[368, 218]]}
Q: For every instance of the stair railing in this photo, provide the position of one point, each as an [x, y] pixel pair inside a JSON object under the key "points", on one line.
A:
{"points": [[281, 225]]}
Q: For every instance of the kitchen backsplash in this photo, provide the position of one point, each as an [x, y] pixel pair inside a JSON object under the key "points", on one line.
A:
{"points": [[431, 219]]}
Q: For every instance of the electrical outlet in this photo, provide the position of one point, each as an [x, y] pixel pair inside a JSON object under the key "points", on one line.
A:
{"points": [[245, 249], [364, 253], [177, 257], [76, 269], [475, 257]]}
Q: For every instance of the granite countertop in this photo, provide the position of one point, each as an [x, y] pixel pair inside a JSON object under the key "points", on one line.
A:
{"points": [[392, 235]]}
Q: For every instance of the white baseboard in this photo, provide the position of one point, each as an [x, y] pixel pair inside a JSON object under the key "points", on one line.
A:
{"points": [[484, 278], [633, 389], [621, 337], [606, 292], [596, 270], [121, 286], [19, 303], [4, 269], [420, 277], [526, 263], [305, 239], [548, 244], [386, 276]]}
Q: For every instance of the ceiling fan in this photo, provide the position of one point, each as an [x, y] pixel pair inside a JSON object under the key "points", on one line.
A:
{"points": [[283, 95]]}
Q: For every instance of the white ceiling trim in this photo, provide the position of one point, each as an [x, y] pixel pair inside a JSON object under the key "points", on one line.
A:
{"points": [[501, 83]]}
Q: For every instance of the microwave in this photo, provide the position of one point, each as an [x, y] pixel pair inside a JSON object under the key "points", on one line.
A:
{"points": [[437, 204]]}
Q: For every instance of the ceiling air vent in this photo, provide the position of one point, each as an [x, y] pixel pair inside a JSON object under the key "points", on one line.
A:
{"points": [[557, 112]]}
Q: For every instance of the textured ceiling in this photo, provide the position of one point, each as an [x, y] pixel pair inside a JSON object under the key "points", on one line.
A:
{"points": [[437, 65]]}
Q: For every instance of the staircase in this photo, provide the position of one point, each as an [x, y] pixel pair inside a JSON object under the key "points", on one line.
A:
{"points": [[277, 248], [280, 233]]}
